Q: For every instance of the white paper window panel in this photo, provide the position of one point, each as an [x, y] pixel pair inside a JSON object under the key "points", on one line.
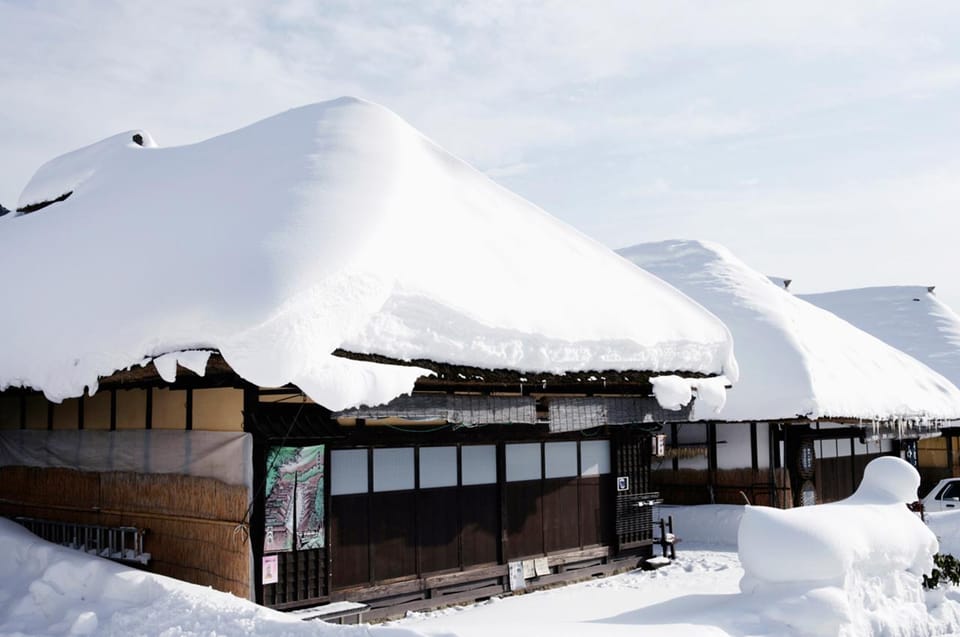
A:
{"points": [[594, 457], [763, 445], [478, 464], [561, 459], [393, 469], [523, 462], [348, 471], [438, 467], [735, 453]]}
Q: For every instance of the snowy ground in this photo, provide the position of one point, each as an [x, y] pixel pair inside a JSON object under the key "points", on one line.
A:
{"points": [[50, 590], [700, 593], [690, 597], [697, 596]]}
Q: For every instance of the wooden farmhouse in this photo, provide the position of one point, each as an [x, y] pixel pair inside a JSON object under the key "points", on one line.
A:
{"points": [[914, 320], [319, 359], [817, 398]]}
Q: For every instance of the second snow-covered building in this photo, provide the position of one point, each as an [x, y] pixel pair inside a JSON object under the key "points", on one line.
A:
{"points": [[816, 400], [914, 320]]}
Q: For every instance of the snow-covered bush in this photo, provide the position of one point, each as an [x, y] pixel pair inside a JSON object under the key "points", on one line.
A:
{"points": [[946, 569]]}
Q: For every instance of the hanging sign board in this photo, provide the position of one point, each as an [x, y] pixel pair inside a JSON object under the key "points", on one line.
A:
{"points": [[517, 581], [541, 567], [529, 570], [623, 483], [271, 571], [660, 445]]}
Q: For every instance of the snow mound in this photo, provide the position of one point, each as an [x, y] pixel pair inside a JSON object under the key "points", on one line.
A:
{"points": [[334, 225], [798, 359], [51, 590], [911, 318], [850, 568]]}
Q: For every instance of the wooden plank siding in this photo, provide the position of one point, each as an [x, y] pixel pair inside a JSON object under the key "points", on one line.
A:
{"points": [[203, 409], [191, 523], [383, 537]]}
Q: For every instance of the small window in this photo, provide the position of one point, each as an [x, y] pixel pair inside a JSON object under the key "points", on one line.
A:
{"points": [[348, 471], [561, 459], [478, 464], [393, 469], [438, 467], [594, 457], [523, 462]]}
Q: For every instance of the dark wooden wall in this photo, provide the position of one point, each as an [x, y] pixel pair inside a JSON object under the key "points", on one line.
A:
{"points": [[379, 537], [838, 478]]}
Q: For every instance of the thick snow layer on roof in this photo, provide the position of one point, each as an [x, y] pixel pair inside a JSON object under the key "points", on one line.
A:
{"points": [[911, 318], [796, 359], [334, 225]]}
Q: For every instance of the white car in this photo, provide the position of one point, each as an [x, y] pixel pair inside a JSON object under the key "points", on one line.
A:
{"points": [[943, 497]]}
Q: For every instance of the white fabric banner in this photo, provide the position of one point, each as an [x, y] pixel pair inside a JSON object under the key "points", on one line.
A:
{"points": [[226, 456]]}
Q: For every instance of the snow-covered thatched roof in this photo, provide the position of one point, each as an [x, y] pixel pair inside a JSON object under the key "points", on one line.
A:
{"points": [[334, 225], [909, 317], [796, 359]]}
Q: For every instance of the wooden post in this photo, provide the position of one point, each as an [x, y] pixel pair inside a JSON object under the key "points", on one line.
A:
{"points": [[712, 459], [502, 499], [949, 439], [257, 517], [663, 537], [673, 542]]}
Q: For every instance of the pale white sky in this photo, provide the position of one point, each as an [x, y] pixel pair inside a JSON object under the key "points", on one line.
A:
{"points": [[818, 141]]}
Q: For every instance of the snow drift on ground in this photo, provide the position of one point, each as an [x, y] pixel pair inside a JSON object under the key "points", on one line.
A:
{"points": [[797, 359], [690, 598], [52, 590], [334, 225], [700, 593], [852, 567], [911, 318]]}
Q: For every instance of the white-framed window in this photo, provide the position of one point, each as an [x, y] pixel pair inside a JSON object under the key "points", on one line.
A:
{"points": [[348, 471], [594, 457], [523, 462], [438, 467], [393, 469], [561, 459], [478, 464]]}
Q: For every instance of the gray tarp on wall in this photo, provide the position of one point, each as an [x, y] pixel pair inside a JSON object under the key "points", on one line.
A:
{"points": [[453, 408], [225, 456], [574, 414]]}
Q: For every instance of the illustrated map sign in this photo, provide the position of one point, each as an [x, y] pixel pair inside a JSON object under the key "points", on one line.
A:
{"points": [[294, 504]]}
